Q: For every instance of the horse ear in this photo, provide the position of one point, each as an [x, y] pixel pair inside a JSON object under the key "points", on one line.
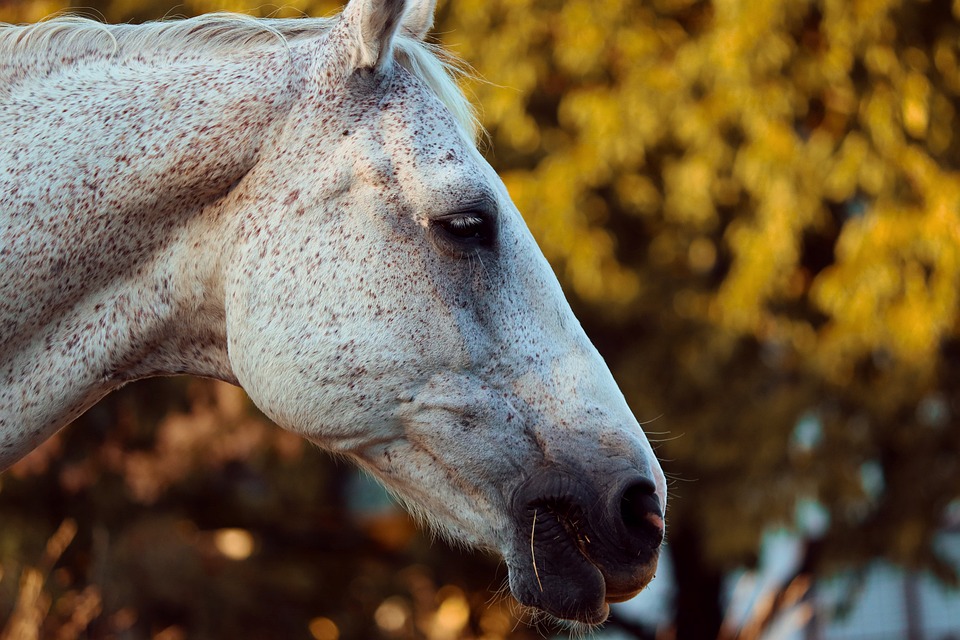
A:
{"points": [[372, 25], [419, 18]]}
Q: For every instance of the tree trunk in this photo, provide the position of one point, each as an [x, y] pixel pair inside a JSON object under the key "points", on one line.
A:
{"points": [[697, 615]]}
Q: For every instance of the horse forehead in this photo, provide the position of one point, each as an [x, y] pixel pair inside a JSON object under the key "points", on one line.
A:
{"points": [[415, 124]]}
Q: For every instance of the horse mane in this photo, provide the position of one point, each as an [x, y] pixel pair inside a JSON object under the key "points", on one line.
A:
{"points": [[54, 44]]}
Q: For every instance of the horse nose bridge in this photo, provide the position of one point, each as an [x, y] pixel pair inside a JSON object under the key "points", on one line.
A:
{"points": [[580, 432], [569, 391]]}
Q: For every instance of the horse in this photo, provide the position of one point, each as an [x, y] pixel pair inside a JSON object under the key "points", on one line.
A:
{"points": [[299, 207]]}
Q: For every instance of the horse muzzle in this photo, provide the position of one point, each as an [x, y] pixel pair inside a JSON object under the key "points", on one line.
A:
{"points": [[585, 546]]}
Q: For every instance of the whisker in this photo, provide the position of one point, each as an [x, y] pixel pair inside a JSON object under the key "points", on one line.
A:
{"points": [[502, 593], [659, 440], [532, 554]]}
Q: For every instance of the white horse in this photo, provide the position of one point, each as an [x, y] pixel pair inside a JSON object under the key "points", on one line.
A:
{"points": [[298, 207]]}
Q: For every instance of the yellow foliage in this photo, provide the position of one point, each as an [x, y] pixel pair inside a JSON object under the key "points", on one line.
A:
{"points": [[699, 119]]}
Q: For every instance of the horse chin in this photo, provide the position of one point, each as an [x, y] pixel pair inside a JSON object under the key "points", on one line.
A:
{"points": [[558, 577], [579, 593]]}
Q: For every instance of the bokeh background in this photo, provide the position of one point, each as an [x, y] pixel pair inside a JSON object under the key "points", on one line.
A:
{"points": [[754, 208]]}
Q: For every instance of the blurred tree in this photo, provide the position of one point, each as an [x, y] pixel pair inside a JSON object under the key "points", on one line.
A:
{"points": [[755, 208]]}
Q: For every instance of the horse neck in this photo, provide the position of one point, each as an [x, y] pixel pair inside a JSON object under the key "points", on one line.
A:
{"points": [[112, 232]]}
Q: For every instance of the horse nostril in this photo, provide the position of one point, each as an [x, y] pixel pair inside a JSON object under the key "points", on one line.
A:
{"points": [[641, 514]]}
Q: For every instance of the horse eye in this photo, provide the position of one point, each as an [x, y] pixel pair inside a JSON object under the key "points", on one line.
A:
{"points": [[473, 229]]}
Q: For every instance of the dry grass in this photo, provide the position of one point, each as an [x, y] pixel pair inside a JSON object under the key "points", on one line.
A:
{"points": [[36, 613]]}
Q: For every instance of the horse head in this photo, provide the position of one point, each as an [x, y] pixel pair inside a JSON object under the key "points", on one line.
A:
{"points": [[385, 299]]}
